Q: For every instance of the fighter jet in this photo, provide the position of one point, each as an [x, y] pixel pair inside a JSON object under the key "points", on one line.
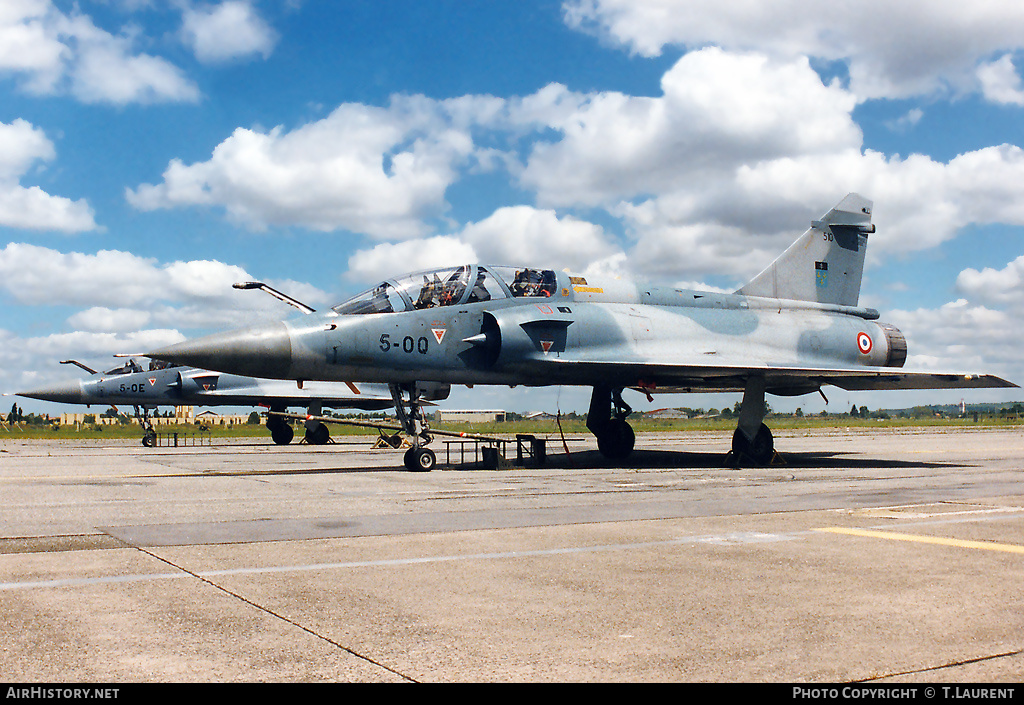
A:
{"points": [[793, 329], [171, 385]]}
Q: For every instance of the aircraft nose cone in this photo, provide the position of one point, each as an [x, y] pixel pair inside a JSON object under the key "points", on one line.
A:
{"points": [[256, 351], [63, 393]]}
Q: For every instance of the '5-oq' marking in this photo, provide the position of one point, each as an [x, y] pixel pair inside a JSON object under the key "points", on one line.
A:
{"points": [[408, 344]]}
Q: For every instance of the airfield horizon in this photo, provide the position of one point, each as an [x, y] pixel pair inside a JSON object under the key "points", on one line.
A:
{"points": [[572, 424]]}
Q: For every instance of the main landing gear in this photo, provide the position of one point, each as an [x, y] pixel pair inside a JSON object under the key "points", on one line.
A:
{"points": [[418, 458], [606, 419], [759, 450], [317, 433], [752, 442], [280, 430]]}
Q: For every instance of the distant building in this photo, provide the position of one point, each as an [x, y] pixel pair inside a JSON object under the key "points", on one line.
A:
{"points": [[666, 414], [182, 415], [469, 416], [540, 416], [212, 418]]}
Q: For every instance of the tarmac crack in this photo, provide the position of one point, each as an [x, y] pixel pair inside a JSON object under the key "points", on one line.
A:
{"points": [[942, 667], [277, 615]]}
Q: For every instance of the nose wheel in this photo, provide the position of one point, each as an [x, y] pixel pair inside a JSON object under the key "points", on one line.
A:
{"points": [[149, 433], [418, 458]]}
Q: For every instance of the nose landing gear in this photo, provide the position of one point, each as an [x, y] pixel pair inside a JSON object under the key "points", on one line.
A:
{"points": [[418, 458]]}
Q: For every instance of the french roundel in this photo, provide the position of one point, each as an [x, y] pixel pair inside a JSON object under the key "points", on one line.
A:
{"points": [[864, 343]]}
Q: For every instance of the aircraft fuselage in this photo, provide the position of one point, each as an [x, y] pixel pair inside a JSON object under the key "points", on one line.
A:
{"points": [[565, 338]]}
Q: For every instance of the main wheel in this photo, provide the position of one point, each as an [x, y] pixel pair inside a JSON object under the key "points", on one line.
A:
{"points": [[616, 440], [759, 451], [281, 432], [420, 460], [318, 435]]}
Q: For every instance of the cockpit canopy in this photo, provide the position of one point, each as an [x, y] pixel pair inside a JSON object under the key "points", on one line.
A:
{"points": [[131, 366], [450, 287]]}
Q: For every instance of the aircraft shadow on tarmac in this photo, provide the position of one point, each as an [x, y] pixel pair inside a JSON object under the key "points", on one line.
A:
{"points": [[639, 460], [660, 459]]}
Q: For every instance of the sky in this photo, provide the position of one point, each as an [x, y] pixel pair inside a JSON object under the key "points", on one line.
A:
{"points": [[153, 152]]}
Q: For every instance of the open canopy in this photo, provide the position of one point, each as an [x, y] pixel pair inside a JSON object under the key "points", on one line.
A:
{"points": [[450, 286]]}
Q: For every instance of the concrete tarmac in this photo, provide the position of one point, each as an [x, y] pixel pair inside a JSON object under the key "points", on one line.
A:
{"points": [[875, 556]]}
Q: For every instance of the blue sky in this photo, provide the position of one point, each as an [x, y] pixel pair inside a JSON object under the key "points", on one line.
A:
{"points": [[152, 152]]}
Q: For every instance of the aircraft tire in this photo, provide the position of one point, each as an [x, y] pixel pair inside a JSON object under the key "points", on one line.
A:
{"points": [[149, 440], [318, 436], [420, 460], [282, 433], [759, 451], [616, 440]]}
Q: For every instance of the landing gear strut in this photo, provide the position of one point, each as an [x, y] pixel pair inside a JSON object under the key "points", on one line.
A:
{"points": [[752, 442], [418, 458], [615, 437]]}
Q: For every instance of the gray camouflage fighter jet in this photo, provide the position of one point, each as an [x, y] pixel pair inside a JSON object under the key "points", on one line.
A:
{"points": [[791, 330], [171, 385]]}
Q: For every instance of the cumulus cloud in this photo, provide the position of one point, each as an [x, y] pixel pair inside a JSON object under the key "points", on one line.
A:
{"points": [[378, 171], [720, 173], [996, 286], [718, 110], [517, 235], [891, 50], [389, 260], [520, 235], [31, 362], [53, 52], [29, 44], [112, 286], [123, 303], [40, 275], [704, 185], [1000, 82], [962, 335], [227, 31], [106, 71], [714, 176], [21, 146], [102, 319]]}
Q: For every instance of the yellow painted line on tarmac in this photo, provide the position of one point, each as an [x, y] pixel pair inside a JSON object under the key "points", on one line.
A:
{"points": [[936, 540]]}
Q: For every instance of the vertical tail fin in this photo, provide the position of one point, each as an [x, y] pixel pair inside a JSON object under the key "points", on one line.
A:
{"points": [[826, 263]]}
